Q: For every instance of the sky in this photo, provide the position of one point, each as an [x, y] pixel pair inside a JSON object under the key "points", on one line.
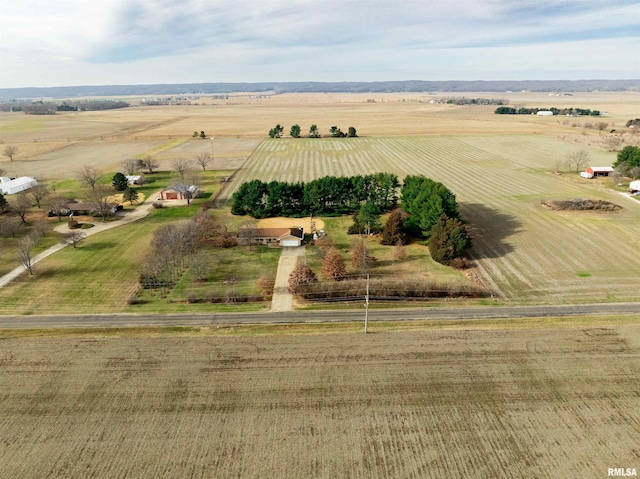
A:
{"points": [[119, 42]]}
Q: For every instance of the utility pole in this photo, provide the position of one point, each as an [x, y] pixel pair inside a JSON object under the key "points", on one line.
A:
{"points": [[366, 308]]}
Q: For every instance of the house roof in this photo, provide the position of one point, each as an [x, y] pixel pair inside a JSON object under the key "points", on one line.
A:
{"points": [[279, 233], [601, 169], [181, 187]]}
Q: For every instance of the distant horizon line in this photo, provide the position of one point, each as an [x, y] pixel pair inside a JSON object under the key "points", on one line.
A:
{"points": [[375, 86]]}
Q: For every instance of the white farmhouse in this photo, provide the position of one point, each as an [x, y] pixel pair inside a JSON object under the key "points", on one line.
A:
{"points": [[11, 187]]}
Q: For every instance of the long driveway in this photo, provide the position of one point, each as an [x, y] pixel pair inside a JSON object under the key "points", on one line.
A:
{"points": [[121, 218], [282, 299]]}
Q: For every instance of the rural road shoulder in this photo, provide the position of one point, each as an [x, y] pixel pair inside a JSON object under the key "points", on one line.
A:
{"points": [[214, 319]]}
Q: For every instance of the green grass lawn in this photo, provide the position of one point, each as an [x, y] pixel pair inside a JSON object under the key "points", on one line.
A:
{"points": [[103, 272]]}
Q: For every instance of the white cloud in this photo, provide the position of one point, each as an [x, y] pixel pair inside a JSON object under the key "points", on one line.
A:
{"points": [[144, 41]]}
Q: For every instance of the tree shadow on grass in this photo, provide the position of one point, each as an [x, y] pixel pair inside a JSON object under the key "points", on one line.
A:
{"points": [[97, 245], [489, 229]]}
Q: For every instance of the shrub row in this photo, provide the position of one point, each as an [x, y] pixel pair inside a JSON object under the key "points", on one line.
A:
{"points": [[227, 297], [385, 289]]}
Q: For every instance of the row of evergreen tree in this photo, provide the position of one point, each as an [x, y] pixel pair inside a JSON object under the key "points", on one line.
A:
{"points": [[325, 196]]}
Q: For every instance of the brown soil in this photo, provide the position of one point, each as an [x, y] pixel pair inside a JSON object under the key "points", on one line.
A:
{"points": [[548, 402]]}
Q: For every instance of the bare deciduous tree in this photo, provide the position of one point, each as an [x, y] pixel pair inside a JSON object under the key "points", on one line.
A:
{"points": [[181, 165], [150, 163], [73, 237], [57, 204], [38, 193], [99, 199], [203, 160], [613, 143], [130, 166], [9, 226], [26, 246], [193, 177], [247, 233], [200, 266], [558, 166], [39, 228], [10, 151], [88, 175], [577, 159], [22, 205]]}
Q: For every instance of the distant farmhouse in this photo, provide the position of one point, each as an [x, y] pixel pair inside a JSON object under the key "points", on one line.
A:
{"points": [[11, 187], [179, 191]]}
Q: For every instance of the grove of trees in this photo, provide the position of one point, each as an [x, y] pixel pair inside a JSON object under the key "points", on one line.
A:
{"points": [[326, 196], [433, 213]]}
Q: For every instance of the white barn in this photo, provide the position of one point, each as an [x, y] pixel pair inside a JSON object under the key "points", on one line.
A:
{"points": [[11, 187]]}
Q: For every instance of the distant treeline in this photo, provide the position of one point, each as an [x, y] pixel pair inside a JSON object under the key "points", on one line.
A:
{"points": [[325, 196], [325, 87], [506, 110], [475, 101], [50, 108]]}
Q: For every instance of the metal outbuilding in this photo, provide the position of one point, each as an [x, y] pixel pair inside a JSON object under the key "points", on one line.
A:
{"points": [[11, 187], [596, 171]]}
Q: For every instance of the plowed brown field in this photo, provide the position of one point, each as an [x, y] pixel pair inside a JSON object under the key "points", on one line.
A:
{"points": [[515, 403]]}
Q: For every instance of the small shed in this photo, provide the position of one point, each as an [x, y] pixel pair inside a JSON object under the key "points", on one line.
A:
{"points": [[133, 179], [544, 113], [178, 191], [11, 187], [634, 186], [596, 171]]}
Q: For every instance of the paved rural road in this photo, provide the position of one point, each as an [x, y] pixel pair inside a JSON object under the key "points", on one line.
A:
{"points": [[213, 319]]}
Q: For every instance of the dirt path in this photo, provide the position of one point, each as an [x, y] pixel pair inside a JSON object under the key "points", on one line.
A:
{"points": [[122, 218], [282, 299]]}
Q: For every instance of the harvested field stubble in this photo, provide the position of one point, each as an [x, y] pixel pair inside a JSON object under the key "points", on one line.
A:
{"points": [[427, 404]]}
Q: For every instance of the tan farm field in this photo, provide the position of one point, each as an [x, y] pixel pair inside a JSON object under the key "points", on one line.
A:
{"points": [[470, 401], [48, 146], [527, 252]]}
